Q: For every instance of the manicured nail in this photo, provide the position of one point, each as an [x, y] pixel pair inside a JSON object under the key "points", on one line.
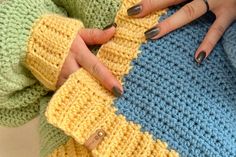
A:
{"points": [[152, 32], [134, 10], [201, 56], [116, 91], [109, 26]]}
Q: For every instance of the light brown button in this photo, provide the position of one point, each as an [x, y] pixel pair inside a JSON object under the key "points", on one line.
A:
{"points": [[95, 139]]}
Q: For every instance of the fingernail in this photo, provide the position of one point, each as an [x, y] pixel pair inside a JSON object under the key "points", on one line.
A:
{"points": [[134, 10], [201, 56], [116, 91], [152, 32], [110, 25]]}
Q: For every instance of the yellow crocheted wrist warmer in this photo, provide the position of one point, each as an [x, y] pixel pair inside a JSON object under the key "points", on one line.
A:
{"points": [[48, 46]]}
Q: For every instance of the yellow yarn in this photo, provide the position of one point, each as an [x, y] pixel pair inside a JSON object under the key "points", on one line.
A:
{"points": [[82, 105], [71, 149], [49, 45]]}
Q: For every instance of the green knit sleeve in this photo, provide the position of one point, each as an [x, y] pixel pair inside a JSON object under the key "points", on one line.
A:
{"points": [[34, 39], [93, 13], [20, 91]]}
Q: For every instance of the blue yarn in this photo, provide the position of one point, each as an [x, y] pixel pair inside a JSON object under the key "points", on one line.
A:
{"points": [[191, 107], [229, 43]]}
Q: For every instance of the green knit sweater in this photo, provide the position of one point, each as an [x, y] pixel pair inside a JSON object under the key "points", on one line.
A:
{"points": [[22, 96]]}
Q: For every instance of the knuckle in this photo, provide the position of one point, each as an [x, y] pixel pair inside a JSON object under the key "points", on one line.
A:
{"points": [[95, 69], [175, 2], [102, 35], [92, 35], [166, 26], [209, 44], [189, 11], [219, 30], [148, 6]]}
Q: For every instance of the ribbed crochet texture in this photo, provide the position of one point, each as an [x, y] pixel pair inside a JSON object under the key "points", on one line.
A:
{"points": [[49, 45], [21, 95], [168, 99], [82, 105], [20, 92], [191, 108]]}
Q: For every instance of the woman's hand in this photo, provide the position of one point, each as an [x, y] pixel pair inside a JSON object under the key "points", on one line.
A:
{"points": [[80, 56], [224, 10]]}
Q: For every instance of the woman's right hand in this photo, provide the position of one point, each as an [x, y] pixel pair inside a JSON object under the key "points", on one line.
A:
{"points": [[81, 56]]}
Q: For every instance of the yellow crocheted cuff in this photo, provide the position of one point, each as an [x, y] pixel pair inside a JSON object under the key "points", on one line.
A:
{"points": [[88, 116], [48, 46], [71, 149]]}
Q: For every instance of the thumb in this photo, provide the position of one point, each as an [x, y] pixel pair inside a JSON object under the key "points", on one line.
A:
{"points": [[97, 36]]}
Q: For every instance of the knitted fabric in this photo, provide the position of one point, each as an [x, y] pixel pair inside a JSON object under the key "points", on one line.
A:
{"points": [[191, 107], [229, 43], [50, 137], [71, 149], [21, 94], [42, 51], [166, 96], [167, 99], [80, 114], [93, 13], [19, 90]]}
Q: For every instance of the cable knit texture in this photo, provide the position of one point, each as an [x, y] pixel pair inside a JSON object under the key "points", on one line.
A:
{"points": [[49, 45]]}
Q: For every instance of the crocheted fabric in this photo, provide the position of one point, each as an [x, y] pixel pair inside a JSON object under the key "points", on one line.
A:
{"points": [[49, 45], [168, 99], [166, 96], [21, 94], [93, 13], [229, 43], [72, 111]]}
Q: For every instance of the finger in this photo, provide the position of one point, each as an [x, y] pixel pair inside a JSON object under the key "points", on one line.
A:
{"points": [[146, 7], [60, 82], [97, 36], [186, 14], [212, 37], [70, 66], [91, 63]]}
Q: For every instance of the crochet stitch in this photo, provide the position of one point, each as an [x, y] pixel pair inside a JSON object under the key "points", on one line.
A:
{"points": [[166, 94], [21, 95], [167, 100], [72, 115], [50, 53]]}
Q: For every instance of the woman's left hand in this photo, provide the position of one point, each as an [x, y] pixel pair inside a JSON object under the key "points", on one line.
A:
{"points": [[224, 10]]}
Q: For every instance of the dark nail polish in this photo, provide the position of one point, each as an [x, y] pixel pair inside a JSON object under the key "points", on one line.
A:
{"points": [[201, 56], [134, 10], [109, 26], [116, 91], [152, 32]]}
